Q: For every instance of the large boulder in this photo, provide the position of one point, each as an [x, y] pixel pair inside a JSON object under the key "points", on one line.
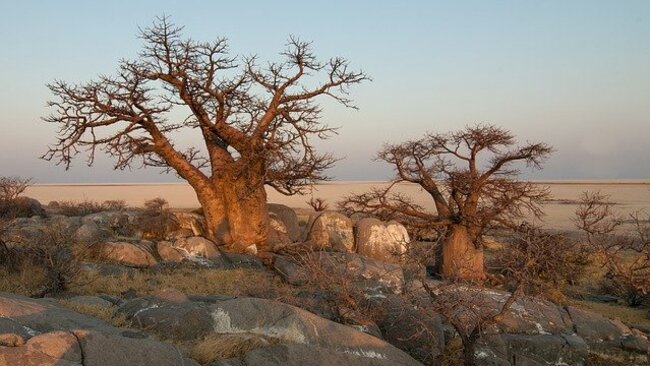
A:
{"points": [[134, 255], [382, 241], [169, 253], [57, 336], [265, 318], [288, 217], [309, 355], [191, 221], [332, 230], [197, 246], [278, 235], [89, 233]]}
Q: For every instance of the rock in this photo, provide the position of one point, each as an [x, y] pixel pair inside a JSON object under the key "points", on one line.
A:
{"points": [[90, 300], [169, 253], [601, 333], [308, 355], [179, 321], [179, 234], [171, 295], [46, 315], [329, 229], [374, 277], [197, 246], [382, 241], [89, 232], [292, 325], [135, 255], [544, 349], [107, 350], [58, 336], [278, 233], [190, 221], [12, 334], [28, 207], [258, 317], [49, 349], [288, 217]]}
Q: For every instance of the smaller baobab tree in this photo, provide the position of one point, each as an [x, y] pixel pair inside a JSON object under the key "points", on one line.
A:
{"points": [[470, 176]]}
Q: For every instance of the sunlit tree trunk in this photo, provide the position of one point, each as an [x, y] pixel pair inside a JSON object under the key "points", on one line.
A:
{"points": [[461, 258]]}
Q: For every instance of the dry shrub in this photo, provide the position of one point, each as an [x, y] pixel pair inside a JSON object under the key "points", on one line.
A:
{"points": [[547, 261], [342, 293], [156, 220], [87, 207], [45, 264], [105, 313], [318, 204], [11, 205], [217, 347], [197, 281], [624, 254]]}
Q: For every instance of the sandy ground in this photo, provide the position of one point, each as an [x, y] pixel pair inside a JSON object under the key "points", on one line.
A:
{"points": [[629, 195]]}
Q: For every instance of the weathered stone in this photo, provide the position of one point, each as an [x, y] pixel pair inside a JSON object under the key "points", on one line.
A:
{"points": [[179, 234], [108, 350], [292, 325], [89, 232], [190, 221], [11, 333], [134, 255], [329, 229], [309, 355], [171, 295], [278, 232], [169, 253], [544, 349], [382, 241], [288, 217], [49, 349], [197, 246], [374, 277]]}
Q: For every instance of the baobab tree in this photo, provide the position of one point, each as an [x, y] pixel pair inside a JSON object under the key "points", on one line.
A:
{"points": [[256, 124], [471, 177]]}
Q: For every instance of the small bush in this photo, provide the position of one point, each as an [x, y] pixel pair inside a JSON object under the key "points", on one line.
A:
{"points": [[156, 221], [87, 207]]}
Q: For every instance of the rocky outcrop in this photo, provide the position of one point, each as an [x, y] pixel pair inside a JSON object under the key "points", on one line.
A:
{"points": [[278, 234], [288, 217], [51, 335], [251, 316], [374, 277], [383, 241], [197, 246], [130, 254], [331, 230]]}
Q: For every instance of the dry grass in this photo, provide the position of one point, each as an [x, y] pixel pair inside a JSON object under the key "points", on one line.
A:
{"points": [[626, 314], [217, 347], [26, 280], [105, 313], [233, 282]]}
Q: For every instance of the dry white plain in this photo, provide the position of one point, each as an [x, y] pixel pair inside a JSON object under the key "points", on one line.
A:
{"points": [[629, 195]]}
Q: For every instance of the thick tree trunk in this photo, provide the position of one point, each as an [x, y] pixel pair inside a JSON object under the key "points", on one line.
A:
{"points": [[246, 214], [461, 259], [214, 211]]}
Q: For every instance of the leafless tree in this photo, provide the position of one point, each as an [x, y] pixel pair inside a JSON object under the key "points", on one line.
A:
{"points": [[470, 176], [12, 187], [623, 252], [257, 123], [318, 204]]}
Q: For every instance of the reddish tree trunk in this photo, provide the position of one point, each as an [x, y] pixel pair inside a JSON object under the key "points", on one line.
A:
{"points": [[246, 214], [461, 259]]}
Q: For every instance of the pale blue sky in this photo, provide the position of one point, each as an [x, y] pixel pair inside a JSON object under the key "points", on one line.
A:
{"points": [[575, 74]]}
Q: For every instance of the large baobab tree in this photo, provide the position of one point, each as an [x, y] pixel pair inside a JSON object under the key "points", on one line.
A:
{"points": [[470, 176], [256, 123]]}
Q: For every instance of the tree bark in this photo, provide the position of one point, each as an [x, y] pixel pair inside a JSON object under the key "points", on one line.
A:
{"points": [[461, 259], [246, 213], [235, 213]]}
